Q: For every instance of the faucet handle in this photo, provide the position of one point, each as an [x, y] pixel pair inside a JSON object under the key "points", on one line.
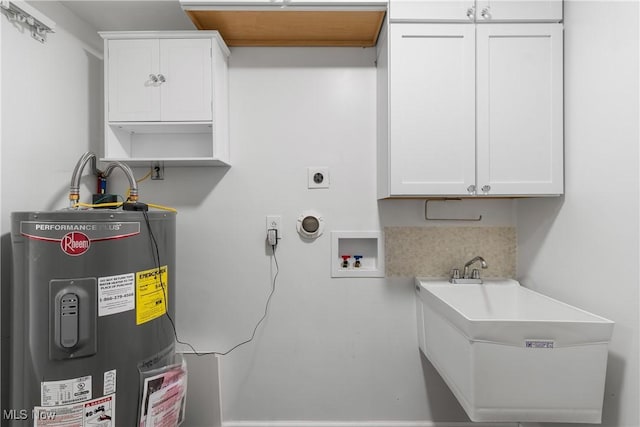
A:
{"points": [[475, 273], [455, 273]]}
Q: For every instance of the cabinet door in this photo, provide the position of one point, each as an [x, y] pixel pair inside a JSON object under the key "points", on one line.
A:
{"points": [[132, 94], [185, 66], [519, 10], [431, 102], [432, 10], [520, 117]]}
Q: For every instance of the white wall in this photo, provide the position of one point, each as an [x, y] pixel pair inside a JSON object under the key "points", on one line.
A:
{"points": [[583, 248], [340, 349], [51, 104], [330, 350]]}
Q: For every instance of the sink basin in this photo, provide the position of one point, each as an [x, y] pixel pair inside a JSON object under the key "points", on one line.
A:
{"points": [[510, 354]]}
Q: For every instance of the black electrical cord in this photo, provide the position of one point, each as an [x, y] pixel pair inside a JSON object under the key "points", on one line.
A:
{"points": [[266, 309], [156, 256]]}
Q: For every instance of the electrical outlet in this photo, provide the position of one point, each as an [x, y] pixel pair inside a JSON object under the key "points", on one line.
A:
{"points": [[318, 177], [157, 170], [273, 221]]}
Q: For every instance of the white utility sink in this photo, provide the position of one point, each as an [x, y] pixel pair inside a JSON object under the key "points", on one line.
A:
{"points": [[511, 354]]}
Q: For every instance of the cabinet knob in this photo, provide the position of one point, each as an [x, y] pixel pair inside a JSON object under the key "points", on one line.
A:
{"points": [[161, 78], [471, 13], [486, 13], [471, 189], [486, 188], [153, 78]]}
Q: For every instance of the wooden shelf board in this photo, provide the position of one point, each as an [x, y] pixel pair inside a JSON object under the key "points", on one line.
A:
{"points": [[292, 28]]}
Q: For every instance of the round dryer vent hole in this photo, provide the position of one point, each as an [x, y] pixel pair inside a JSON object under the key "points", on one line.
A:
{"points": [[310, 225]]}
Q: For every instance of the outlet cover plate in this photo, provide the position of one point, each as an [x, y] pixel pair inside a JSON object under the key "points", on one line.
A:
{"points": [[274, 221], [157, 172]]}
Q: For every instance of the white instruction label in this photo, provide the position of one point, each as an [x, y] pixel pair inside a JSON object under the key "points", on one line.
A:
{"points": [[54, 393], [116, 294], [99, 412], [109, 382], [59, 416]]}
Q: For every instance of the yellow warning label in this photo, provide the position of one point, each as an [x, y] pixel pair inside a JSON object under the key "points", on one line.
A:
{"points": [[152, 292]]}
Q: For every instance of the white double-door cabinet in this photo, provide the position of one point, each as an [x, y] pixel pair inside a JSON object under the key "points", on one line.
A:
{"points": [[476, 10], [159, 80], [471, 110], [166, 97]]}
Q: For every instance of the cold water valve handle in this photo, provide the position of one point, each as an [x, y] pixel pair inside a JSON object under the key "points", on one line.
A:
{"points": [[357, 264]]}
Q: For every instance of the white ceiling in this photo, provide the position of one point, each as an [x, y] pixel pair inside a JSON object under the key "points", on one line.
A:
{"points": [[119, 15]]}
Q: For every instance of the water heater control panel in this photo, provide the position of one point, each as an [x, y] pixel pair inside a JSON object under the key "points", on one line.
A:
{"points": [[68, 312], [72, 318]]}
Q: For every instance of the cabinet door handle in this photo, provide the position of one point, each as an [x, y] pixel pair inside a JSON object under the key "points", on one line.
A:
{"points": [[471, 189], [486, 13], [486, 188], [161, 78], [471, 13], [153, 78]]}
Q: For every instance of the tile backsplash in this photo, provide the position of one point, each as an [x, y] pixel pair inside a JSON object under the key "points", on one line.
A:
{"points": [[434, 251]]}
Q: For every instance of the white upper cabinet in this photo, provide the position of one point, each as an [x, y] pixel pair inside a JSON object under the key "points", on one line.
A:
{"points": [[185, 65], [470, 110], [159, 80], [166, 97], [432, 11], [519, 109], [475, 10], [518, 10], [431, 104], [132, 94]]}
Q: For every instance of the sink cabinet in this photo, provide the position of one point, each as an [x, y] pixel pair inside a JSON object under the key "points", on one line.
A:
{"points": [[468, 110], [166, 97]]}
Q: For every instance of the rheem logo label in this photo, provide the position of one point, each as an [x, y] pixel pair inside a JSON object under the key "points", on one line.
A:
{"points": [[75, 243]]}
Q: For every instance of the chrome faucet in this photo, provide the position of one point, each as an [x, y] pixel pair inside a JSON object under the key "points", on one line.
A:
{"points": [[483, 264], [466, 278]]}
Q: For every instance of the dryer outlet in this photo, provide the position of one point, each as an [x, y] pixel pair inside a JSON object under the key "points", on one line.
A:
{"points": [[318, 177]]}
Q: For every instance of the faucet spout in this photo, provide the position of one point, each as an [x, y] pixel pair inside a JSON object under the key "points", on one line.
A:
{"points": [[483, 264]]}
